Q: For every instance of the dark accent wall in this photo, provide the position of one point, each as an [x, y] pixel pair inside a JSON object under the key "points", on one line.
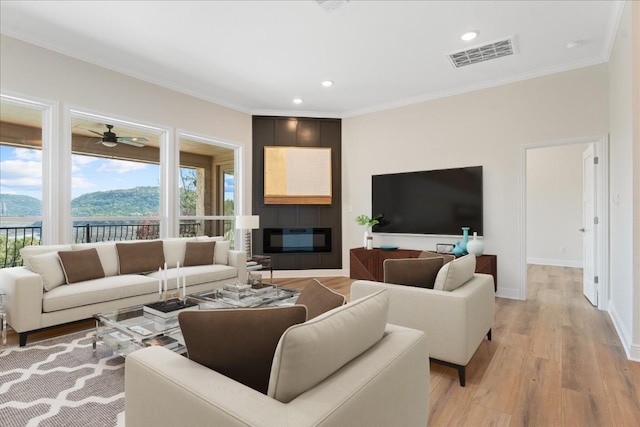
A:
{"points": [[299, 132]]}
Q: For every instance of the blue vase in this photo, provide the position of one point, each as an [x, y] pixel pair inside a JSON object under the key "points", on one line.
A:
{"points": [[465, 240], [457, 249]]}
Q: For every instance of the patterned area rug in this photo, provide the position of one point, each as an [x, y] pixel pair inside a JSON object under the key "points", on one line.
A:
{"points": [[60, 382]]}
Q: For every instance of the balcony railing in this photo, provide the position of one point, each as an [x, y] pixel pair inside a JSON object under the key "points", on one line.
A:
{"points": [[12, 239]]}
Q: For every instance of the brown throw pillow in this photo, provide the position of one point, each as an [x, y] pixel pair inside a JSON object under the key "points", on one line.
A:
{"points": [[419, 272], [319, 299], [199, 253], [238, 343], [140, 257], [81, 265]]}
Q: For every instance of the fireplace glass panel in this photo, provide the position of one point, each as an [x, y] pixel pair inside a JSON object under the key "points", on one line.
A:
{"points": [[292, 240]]}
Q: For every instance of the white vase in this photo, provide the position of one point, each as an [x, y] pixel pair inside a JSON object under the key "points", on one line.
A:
{"points": [[475, 246], [368, 239]]}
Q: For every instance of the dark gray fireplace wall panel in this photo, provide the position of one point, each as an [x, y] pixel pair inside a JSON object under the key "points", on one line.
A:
{"points": [[298, 132]]}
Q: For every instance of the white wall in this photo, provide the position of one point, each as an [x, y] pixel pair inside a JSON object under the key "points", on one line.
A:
{"points": [[625, 223], [554, 205], [28, 70], [487, 127]]}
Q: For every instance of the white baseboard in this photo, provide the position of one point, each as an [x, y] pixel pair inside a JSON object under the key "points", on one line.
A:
{"points": [[555, 262], [508, 293], [632, 350]]}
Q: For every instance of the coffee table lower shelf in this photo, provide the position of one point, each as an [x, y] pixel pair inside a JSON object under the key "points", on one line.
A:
{"points": [[131, 329]]}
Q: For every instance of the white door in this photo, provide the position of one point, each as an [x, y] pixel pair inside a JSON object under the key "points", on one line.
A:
{"points": [[589, 226]]}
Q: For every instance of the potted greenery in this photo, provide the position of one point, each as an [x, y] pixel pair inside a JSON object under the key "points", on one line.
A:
{"points": [[368, 222]]}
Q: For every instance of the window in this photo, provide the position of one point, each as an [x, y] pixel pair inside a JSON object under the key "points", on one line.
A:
{"points": [[227, 194], [20, 178], [102, 178], [207, 187], [115, 181]]}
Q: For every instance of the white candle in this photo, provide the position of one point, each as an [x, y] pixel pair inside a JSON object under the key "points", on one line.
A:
{"points": [[159, 283], [165, 278], [178, 278], [184, 284]]}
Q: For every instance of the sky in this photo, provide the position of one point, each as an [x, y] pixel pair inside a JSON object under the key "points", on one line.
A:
{"points": [[21, 174]]}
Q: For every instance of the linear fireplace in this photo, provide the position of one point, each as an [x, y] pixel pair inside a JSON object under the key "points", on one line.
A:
{"points": [[292, 240]]}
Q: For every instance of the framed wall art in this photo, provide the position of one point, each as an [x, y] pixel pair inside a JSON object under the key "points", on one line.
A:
{"points": [[297, 175]]}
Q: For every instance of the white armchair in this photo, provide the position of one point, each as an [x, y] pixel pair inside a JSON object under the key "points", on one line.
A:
{"points": [[455, 322]]}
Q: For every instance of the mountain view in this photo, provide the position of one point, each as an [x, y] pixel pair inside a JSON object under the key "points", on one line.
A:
{"points": [[139, 201], [15, 205]]}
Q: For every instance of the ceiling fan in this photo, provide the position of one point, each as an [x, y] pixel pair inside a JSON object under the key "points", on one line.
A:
{"points": [[110, 139]]}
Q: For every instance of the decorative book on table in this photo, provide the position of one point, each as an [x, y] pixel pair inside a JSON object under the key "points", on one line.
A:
{"points": [[170, 308], [117, 339], [236, 287], [236, 291], [262, 290], [163, 340]]}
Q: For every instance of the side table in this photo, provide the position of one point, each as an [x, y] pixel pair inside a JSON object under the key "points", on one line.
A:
{"points": [[262, 262]]}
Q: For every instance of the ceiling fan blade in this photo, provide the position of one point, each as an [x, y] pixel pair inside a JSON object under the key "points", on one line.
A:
{"points": [[133, 138], [97, 133], [133, 143]]}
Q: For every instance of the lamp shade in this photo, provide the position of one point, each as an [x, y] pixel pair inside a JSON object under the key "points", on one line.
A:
{"points": [[247, 222]]}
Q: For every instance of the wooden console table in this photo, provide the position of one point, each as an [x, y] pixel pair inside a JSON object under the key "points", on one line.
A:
{"points": [[367, 264]]}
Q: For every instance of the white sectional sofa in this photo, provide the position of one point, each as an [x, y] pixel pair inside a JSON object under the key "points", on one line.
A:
{"points": [[39, 296]]}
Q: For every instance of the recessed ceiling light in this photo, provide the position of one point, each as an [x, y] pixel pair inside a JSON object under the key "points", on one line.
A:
{"points": [[297, 100], [469, 36], [327, 83], [575, 43]]}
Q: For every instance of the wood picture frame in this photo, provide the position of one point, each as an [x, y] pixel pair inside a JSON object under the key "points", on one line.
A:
{"points": [[297, 175]]}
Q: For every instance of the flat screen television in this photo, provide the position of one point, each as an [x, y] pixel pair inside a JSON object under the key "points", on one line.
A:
{"points": [[438, 202]]}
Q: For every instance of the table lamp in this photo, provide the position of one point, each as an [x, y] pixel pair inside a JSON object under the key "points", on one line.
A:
{"points": [[247, 223]]}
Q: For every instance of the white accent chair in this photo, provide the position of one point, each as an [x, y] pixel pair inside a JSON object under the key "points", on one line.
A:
{"points": [[455, 316]]}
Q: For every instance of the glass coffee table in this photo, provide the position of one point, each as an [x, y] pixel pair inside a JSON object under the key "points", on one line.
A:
{"points": [[132, 328]]}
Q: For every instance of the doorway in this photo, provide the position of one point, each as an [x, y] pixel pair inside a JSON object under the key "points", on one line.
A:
{"points": [[553, 228]]}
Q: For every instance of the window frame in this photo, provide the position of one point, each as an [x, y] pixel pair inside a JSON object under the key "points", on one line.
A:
{"points": [[163, 138], [49, 128]]}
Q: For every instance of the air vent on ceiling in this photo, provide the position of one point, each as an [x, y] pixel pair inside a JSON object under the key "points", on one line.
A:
{"points": [[330, 5], [483, 53]]}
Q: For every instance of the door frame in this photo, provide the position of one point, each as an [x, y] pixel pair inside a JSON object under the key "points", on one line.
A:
{"points": [[589, 237], [601, 150]]}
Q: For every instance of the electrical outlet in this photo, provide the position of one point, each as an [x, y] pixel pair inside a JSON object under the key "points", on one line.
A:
{"points": [[563, 250]]}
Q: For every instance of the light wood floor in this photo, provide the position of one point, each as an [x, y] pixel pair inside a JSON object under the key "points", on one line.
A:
{"points": [[554, 361]]}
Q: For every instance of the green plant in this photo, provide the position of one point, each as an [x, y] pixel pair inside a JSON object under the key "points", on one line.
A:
{"points": [[369, 222]]}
